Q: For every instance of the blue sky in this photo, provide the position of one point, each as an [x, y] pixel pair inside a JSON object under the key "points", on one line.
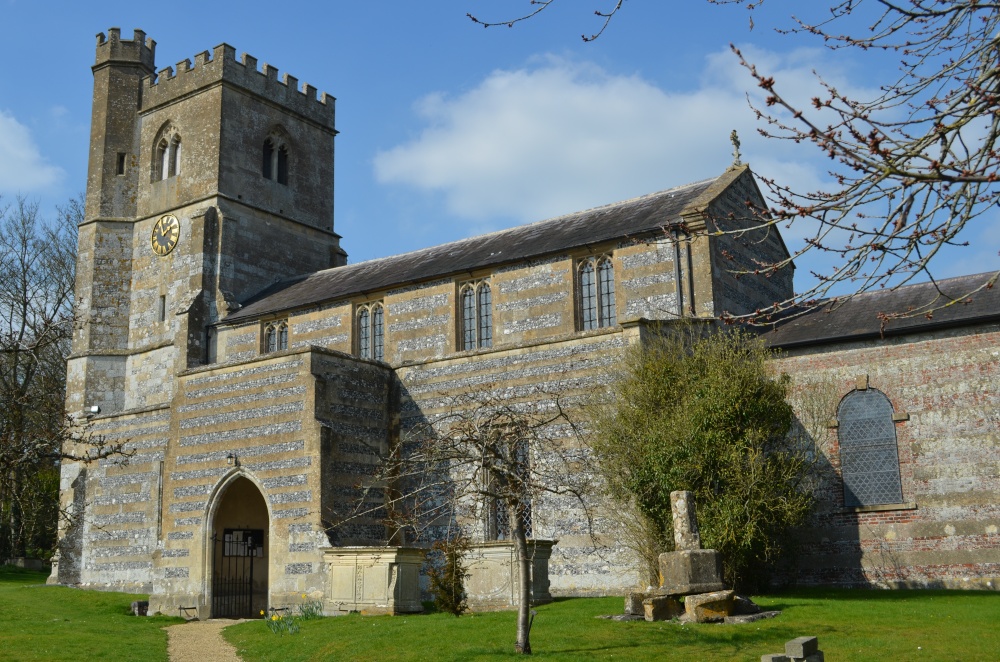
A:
{"points": [[446, 129]]}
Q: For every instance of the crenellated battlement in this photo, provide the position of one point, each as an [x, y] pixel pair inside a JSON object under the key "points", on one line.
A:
{"points": [[139, 49], [221, 64]]}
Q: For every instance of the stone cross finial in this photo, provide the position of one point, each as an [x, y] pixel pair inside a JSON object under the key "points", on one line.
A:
{"points": [[686, 536], [735, 139]]}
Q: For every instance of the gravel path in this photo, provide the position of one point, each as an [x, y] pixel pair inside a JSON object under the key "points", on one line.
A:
{"points": [[198, 641]]}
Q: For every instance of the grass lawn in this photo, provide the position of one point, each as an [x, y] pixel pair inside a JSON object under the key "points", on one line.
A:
{"points": [[40, 622], [851, 625], [45, 623]]}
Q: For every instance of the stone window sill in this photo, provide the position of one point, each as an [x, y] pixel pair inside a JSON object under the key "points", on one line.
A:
{"points": [[881, 508]]}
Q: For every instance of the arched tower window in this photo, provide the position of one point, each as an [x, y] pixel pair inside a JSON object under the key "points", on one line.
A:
{"points": [[371, 331], [274, 160], [476, 301], [596, 293], [167, 155], [869, 459]]}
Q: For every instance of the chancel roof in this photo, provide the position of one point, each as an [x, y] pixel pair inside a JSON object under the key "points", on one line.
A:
{"points": [[636, 217], [860, 317]]}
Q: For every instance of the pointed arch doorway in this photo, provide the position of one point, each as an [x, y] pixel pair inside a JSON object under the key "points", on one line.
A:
{"points": [[238, 544]]}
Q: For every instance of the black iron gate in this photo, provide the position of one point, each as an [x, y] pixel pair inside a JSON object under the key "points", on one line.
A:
{"points": [[232, 572]]}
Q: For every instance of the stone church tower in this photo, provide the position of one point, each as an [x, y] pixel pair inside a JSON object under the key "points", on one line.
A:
{"points": [[205, 185]]}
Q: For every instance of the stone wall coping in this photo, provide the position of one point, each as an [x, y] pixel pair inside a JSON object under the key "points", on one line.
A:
{"points": [[387, 554]]}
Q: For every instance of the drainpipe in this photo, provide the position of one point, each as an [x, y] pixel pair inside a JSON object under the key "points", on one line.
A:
{"points": [[690, 278], [677, 272]]}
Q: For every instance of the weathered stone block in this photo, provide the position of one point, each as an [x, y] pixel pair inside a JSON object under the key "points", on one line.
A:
{"points": [[633, 602], [662, 608], [709, 607], [802, 647], [691, 571]]}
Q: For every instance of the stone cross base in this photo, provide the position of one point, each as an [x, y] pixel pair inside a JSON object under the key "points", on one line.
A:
{"points": [[691, 571]]}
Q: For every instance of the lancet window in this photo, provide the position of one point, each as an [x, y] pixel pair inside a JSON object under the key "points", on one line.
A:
{"points": [[596, 293], [476, 313], [370, 331]]}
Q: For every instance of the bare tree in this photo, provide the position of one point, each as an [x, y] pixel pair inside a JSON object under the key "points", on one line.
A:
{"points": [[37, 268], [911, 166], [487, 452]]}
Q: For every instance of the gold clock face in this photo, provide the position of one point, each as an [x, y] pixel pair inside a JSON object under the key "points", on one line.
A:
{"points": [[165, 234]]}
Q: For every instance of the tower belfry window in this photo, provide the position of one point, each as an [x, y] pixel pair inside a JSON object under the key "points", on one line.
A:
{"points": [[168, 158], [274, 161]]}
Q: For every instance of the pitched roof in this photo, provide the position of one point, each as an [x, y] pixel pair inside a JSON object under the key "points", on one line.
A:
{"points": [[858, 317], [634, 217]]}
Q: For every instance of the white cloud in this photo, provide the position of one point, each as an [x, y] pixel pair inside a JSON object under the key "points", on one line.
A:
{"points": [[22, 168], [558, 136]]}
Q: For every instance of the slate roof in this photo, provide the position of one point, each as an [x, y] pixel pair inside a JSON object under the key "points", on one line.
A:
{"points": [[634, 217], [857, 318]]}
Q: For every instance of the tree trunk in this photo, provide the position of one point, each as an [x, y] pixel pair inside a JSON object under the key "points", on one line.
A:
{"points": [[518, 534]]}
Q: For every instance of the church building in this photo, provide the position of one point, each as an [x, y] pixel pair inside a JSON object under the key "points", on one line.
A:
{"points": [[222, 333]]}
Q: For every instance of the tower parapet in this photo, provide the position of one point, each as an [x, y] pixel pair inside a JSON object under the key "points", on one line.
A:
{"points": [[221, 65], [111, 48]]}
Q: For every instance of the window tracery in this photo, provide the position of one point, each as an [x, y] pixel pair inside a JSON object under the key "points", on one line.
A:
{"points": [[476, 314], [596, 293], [274, 160], [370, 331], [869, 457], [275, 336]]}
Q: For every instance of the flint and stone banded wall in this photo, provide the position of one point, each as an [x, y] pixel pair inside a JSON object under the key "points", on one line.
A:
{"points": [[946, 532], [119, 528], [572, 367], [258, 412], [533, 301], [278, 417]]}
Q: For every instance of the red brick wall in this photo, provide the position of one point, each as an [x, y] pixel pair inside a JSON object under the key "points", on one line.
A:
{"points": [[948, 382]]}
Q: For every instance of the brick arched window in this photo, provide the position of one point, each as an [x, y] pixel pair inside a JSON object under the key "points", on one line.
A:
{"points": [[869, 458]]}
